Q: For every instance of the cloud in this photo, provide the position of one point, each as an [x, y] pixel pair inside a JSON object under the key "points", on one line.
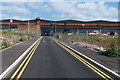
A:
{"points": [[20, 18], [62, 10], [86, 11], [62, 16], [25, 0], [4, 16], [58, 0], [97, 10], [16, 9], [40, 6]]}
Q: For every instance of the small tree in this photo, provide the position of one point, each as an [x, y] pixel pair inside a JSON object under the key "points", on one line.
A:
{"points": [[112, 49]]}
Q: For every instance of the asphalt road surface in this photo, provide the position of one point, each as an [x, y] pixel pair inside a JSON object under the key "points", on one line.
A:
{"points": [[50, 60]]}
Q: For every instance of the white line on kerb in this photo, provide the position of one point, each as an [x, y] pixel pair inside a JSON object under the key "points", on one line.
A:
{"points": [[90, 59], [11, 67]]}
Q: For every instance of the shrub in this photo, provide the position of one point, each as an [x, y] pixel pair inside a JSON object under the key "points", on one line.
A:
{"points": [[32, 34], [5, 45], [22, 39], [6, 32], [112, 50], [110, 44], [21, 34]]}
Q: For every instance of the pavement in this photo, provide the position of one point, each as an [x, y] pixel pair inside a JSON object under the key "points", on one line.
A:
{"points": [[11, 54], [109, 62], [52, 61]]}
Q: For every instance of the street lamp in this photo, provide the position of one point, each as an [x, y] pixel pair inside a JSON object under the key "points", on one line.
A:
{"points": [[10, 26], [100, 45], [99, 26], [77, 30], [65, 27], [17, 31], [28, 29], [54, 25], [55, 28], [86, 35]]}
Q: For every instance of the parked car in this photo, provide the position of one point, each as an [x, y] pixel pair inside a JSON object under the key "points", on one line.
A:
{"points": [[92, 34], [105, 34], [70, 33]]}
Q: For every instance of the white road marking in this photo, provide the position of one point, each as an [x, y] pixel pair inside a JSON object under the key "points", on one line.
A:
{"points": [[113, 72], [11, 67]]}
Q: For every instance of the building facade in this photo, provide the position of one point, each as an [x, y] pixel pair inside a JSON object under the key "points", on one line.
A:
{"points": [[47, 27]]}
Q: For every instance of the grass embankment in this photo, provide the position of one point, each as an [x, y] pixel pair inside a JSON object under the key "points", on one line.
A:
{"points": [[110, 43], [9, 38]]}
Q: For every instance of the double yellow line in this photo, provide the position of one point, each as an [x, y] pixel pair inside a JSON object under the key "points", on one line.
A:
{"points": [[18, 73], [98, 71]]}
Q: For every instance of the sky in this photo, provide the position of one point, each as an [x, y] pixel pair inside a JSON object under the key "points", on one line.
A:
{"points": [[60, 10]]}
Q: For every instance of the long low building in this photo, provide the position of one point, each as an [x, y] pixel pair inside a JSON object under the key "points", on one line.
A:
{"points": [[48, 27]]}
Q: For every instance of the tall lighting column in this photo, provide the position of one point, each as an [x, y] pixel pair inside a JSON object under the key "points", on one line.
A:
{"points": [[28, 30], [10, 26], [55, 28]]}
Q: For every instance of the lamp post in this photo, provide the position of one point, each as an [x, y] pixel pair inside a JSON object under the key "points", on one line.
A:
{"points": [[10, 26], [86, 36], [55, 28], [17, 32], [100, 45], [28, 29], [65, 27], [99, 26], [54, 25], [77, 30]]}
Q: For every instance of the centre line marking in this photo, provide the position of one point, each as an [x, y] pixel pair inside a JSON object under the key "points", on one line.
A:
{"points": [[95, 69], [24, 64]]}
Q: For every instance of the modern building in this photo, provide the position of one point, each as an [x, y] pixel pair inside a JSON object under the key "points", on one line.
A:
{"points": [[49, 27]]}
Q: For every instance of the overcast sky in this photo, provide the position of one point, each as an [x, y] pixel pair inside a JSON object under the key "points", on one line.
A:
{"points": [[60, 10]]}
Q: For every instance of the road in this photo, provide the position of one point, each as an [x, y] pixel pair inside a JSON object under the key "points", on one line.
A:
{"points": [[11, 54], [50, 60]]}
